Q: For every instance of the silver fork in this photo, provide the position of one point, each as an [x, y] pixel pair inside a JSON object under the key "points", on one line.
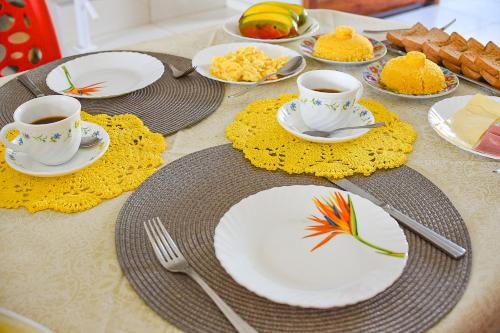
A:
{"points": [[177, 73], [172, 259]]}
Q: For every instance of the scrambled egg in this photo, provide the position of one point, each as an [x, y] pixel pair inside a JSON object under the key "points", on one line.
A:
{"points": [[343, 45], [245, 64], [413, 74]]}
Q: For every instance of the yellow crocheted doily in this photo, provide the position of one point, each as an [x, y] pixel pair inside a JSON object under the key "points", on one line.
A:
{"points": [[133, 155], [258, 134]]}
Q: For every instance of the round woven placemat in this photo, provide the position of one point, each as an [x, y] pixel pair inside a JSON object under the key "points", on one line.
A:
{"points": [[165, 106], [191, 194]]}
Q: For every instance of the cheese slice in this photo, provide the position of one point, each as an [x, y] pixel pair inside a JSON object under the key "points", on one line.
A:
{"points": [[471, 122]]}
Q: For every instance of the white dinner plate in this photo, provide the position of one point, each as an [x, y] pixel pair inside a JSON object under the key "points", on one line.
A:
{"points": [[203, 59], [307, 48], [13, 322], [82, 159], [289, 118], [371, 75], [232, 28], [261, 243], [110, 74], [439, 118]]}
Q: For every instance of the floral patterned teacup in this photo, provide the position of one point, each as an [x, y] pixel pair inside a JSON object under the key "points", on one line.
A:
{"points": [[52, 143], [326, 111]]}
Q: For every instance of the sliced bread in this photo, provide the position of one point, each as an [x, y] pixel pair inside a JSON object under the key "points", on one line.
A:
{"points": [[396, 37], [470, 73], [453, 49], [468, 57], [489, 60], [416, 42], [451, 66]]}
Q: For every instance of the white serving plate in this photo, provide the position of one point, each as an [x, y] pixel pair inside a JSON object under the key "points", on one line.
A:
{"points": [[120, 72], [82, 159], [307, 48], [371, 75], [231, 27], [260, 243], [289, 118], [203, 59], [439, 116]]}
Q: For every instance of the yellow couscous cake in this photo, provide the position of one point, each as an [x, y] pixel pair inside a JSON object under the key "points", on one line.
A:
{"points": [[343, 45], [413, 74]]}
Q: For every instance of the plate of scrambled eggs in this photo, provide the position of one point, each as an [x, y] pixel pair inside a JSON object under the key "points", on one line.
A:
{"points": [[343, 47], [410, 76], [244, 63]]}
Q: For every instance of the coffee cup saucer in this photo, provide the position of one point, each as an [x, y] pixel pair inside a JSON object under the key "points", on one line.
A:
{"points": [[84, 156], [290, 119]]}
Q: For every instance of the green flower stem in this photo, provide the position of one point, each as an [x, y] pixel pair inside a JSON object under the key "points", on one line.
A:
{"points": [[381, 249], [68, 77]]}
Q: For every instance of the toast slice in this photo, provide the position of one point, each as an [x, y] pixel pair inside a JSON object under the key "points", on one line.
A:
{"points": [[431, 57], [491, 79], [451, 66], [468, 57], [396, 37], [416, 42], [470, 73], [453, 49], [431, 51], [489, 60]]}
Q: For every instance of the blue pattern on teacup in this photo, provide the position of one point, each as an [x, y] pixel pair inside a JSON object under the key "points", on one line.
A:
{"points": [[293, 106], [319, 102], [20, 141]]}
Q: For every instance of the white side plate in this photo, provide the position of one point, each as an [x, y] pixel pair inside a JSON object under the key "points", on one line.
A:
{"points": [[203, 59], [110, 73], [17, 323], [439, 116], [232, 28], [371, 75], [260, 243], [307, 48]]}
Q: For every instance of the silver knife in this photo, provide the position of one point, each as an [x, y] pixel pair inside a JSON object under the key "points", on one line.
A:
{"points": [[26, 81], [433, 237]]}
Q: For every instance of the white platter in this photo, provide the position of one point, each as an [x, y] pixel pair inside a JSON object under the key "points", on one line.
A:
{"points": [[307, 48], [203, 59], [289, 118], [439, 116], [113, 73], [231, 27], [260, 243], [82, 159]]}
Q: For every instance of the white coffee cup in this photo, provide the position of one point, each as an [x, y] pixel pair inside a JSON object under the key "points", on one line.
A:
{"points": [[52, 143], [325, 111]]}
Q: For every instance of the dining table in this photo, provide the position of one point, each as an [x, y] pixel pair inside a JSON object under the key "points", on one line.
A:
{"points": [[62, 269]]}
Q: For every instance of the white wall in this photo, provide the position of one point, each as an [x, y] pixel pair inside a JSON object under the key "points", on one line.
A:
{"points": [[118, 15], [164, 9]]}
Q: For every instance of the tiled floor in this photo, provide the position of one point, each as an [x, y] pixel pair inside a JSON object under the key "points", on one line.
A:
{"points": [[478, 18], [475, 18]]}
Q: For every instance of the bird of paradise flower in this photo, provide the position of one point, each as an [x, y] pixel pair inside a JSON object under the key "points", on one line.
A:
{"points": [[87, 90], [339, 217]]}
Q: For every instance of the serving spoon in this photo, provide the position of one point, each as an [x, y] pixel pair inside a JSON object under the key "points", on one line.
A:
{"points": [[444, 27], [288, 68], [323, 134]]}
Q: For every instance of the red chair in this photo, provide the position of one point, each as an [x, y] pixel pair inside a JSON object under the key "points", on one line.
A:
{"points": [[27, 37]]}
